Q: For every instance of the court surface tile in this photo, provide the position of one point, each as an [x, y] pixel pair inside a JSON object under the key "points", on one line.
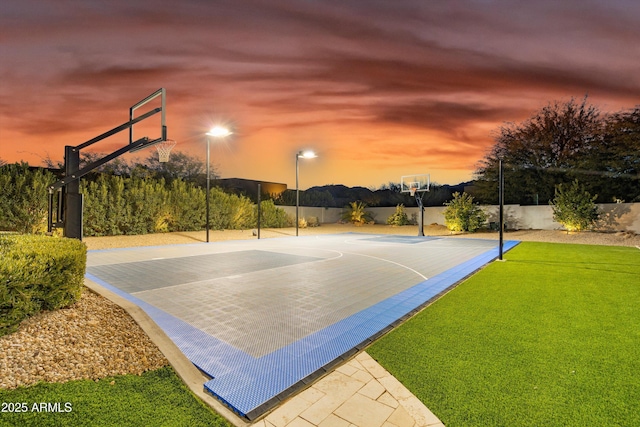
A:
{"points": [[264, 317]]}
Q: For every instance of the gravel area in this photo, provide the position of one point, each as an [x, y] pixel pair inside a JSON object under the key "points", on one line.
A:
{"points": [[92, 339], [95, 338]]}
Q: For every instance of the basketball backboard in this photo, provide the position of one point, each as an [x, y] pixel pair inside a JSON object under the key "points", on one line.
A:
{"points": [[155, 129], [415, 183]]}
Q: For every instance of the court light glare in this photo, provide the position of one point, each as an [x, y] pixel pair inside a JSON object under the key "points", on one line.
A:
{"points": [[219, 132], [307, 154]]}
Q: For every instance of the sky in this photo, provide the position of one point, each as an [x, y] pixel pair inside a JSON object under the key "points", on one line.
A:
{"points": [[377, 88]]}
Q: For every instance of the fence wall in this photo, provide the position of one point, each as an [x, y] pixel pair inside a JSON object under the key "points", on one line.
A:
{"points": [[615, 216]]}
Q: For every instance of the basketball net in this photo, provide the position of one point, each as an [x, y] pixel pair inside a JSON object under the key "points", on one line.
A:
{"points": [[413, 187], [164, 149]]}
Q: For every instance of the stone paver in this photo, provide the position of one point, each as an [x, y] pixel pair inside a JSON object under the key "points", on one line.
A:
{"points": [[334, 421], [359, 393], [400, 417], [388, 400], [373, 390], [360, 410]]}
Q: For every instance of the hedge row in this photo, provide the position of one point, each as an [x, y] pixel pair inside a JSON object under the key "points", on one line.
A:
{"points": [[115, 205], [23, 199], [38, 273]]}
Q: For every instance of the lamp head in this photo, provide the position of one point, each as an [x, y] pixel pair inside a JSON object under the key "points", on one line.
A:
{"points": [[308, 154], [219, 132]]}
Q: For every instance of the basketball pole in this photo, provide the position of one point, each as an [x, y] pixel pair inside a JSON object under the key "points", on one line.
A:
{"points": [[421, 220], [208, 202], [259, 213], [73, 199], [297, 192]]}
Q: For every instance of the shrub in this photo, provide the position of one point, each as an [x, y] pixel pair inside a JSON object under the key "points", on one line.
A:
{"points": [[186, 208], [116, 205], [313, 221], [38, 273], [462, 214], [243, 212], [399, 217], [574, 207], [23, 200], [104, 212], [230, 212], [356, 213], [272, 216]]}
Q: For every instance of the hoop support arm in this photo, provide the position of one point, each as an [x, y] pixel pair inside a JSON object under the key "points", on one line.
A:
{"points": [[119, 129], [82, 172]]}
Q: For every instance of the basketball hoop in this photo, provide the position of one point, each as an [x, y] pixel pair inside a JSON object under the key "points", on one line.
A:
{"points": [[413, 187], [164, 149]]}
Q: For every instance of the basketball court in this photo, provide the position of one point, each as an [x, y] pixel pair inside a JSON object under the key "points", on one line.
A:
{"points": [[262, 318]]}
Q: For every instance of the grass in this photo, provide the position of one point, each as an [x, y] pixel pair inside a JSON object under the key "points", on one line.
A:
{"points": [[156, 398], [550, 337]]}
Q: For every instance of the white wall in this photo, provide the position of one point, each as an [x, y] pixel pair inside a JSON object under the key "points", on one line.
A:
{"points": [[615, 217], [324, 215]]}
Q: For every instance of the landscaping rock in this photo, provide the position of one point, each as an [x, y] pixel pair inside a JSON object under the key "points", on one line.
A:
{"points": [[92, 339]]}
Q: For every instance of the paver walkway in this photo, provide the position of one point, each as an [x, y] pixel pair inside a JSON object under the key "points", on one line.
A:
{"points": [[359, 393]]}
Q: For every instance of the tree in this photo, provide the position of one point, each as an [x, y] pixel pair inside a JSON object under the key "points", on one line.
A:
{"points": [[461, 214], [574, 207], [547, 149], [117, 166], [617, 161], [180, 165]]}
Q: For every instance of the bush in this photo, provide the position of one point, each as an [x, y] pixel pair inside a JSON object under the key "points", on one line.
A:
{"points": [[462, 214], [272, 216], [23, 200], [105, 212], [116, 205], [399, 217], [38, 273], [574, 207], [313, 221], [186, 208], [357, 214], [230, 212]]}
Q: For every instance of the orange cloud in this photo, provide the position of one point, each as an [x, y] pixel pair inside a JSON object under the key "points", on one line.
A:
{"points": [[380, 89]]}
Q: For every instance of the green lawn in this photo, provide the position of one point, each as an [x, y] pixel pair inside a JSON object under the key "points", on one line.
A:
{"points": [[156, 398], [549, 338]]}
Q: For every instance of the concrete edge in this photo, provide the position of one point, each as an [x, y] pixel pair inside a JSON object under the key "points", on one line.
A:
{"points": [[186, 370]]}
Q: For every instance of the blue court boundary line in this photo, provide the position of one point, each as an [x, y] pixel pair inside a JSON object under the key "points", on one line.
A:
{"points": [[250, 386]]}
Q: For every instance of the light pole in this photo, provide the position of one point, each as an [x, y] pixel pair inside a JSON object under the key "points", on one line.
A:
{"points": [[216, 132], [304, 155]]}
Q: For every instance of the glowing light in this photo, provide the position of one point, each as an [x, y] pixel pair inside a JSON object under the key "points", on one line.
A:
{"points": [[307, 154], [219, 132]]}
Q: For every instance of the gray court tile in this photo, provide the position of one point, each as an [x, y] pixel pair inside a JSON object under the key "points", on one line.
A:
{"points": [[259, 296], [159, 273]]}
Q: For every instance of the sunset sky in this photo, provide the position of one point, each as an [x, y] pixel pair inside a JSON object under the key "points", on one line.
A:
{"points": [[378, 88]]}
